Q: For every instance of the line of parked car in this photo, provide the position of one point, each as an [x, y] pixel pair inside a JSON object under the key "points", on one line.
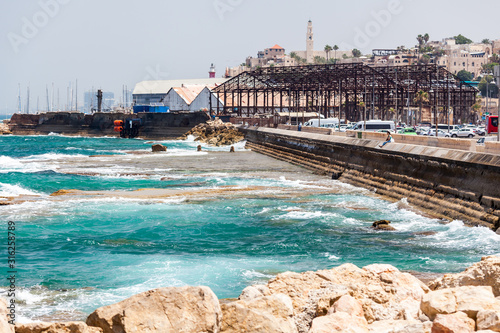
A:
{"points": [[445, 131]]}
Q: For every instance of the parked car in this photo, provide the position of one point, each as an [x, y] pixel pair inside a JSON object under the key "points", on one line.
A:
{"points": [[441, 133], [481, 130], [408, 131], [481, 141], [463, 133]]}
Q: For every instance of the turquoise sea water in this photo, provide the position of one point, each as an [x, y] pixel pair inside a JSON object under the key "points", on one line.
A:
{"points": [[78, 254]]}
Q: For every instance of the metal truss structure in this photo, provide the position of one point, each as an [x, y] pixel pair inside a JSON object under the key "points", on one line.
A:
{"points": [[352, 91]]}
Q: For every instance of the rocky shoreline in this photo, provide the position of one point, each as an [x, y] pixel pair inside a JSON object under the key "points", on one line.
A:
{"points": [[375, 298], [215, 133]]}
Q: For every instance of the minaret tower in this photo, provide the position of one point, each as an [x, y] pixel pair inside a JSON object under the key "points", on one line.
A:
{"points": [[309, 43], [211, 72]]}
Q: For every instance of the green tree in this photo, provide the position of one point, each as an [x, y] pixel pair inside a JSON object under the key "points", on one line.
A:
{"points": [[335, 48], [465, 75], [488, 68], [420, 40], [319, 60], [421, 99], [356, 53], [460, 40], [487, 87], [426, 38], [486, 41], [425, 59], [328, 49]]}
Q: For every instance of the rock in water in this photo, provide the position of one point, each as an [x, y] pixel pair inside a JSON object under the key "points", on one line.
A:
{"points": [[383, 225], [158, 148], [166, 310], [215, 133]]}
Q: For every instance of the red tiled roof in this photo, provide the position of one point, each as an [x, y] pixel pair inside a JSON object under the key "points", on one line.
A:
{"points": [[277, 47]]}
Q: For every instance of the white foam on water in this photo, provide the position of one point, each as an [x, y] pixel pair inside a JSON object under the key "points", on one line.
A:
{"points": [[331, 257], [54, 156], [9, 164], [8, 190]]}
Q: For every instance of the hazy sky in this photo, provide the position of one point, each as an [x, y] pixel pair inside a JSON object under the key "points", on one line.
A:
{"points": [[107, 44]]}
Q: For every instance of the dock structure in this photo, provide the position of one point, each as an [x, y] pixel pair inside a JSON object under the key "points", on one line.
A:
{"points": [[352, 91]]}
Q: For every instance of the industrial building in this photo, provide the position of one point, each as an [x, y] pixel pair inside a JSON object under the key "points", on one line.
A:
{"points": [[177, 95]]}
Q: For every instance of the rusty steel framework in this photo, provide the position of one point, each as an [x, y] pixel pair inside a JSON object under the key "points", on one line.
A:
{"points": [[349, 91]]}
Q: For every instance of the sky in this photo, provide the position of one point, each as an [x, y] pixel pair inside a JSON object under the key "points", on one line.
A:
{"points": [[107, 44]]}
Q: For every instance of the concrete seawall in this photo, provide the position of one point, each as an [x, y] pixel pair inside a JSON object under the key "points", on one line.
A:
{"points": [[155, 125], [447, 183]]}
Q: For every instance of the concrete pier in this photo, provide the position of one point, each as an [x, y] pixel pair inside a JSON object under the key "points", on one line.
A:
{"points": [[447, 183]]}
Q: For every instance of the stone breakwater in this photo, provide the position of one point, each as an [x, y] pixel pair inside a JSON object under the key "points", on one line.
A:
{"points": [[446, 183], [215, 133], [154, 125], [375, 298]]}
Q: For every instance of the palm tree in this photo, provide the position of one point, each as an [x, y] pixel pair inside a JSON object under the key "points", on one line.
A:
{"points": [[426, 38], [335, 48], [328, 48], [421, 99], [420, 40]]}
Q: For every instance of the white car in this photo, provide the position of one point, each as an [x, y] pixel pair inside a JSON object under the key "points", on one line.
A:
{"points": [[463, 133], [441, 133]]}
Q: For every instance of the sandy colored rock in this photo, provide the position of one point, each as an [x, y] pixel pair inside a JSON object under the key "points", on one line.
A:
{"points": [[215, 133], [4, 319], [467, 299], [265, 314], [457, 322], [254, 291], [384, 292], [67, 327], [4, 129], [166, 310], [438, 302], [348, 304], [158, 148], [339, 322], [471, 300], [399, 326], [484, 273], [488, 320]]}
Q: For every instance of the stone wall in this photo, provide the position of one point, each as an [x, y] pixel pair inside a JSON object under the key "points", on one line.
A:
{"points": [[155, 125], [447, 183]]}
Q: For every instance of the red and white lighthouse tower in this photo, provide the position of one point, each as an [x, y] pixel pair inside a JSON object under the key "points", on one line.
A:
{"points": [[211, 73]]}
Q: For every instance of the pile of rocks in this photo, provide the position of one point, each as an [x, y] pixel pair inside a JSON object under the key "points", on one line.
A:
{"points": [[215, 133], [375, 298], [4, 128]]}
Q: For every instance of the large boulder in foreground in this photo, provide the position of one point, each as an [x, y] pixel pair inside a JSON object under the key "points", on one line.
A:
{"points": [[166, 310], [484, 273], [67, 327], [384, 292], [264, 314], [457, 322], [468, 299], [4, 319]]}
